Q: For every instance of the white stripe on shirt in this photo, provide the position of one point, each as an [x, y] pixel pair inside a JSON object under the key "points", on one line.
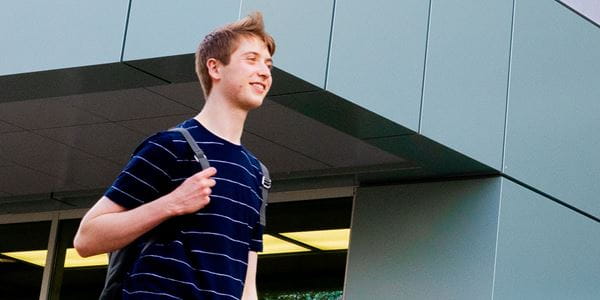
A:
{"points": [[248, 158], [140, 180], [215, 233], [236, 202], [220, 254], [226, 217], [126, 194], [190, 266], [184, 282], [231, 163], [202, 143], [155, 166], [152, 293], [161, 146], [240, 184]]}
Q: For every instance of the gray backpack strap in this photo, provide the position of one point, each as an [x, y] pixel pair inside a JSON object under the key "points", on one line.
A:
{"points": [[265, 186], [198, 153]]}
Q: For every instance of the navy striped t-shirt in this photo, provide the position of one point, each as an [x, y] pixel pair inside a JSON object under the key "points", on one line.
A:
{"points": [[202, 255]]}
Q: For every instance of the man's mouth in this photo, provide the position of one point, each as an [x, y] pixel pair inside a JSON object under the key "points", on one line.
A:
{"points": [[259, 86]]}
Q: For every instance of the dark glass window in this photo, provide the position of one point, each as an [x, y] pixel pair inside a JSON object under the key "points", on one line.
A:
{"points": [[20, 278], [315, 273], [78, 282]]}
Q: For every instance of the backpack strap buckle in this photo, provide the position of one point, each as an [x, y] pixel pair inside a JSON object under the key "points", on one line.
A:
{"points": [[266, 182]]}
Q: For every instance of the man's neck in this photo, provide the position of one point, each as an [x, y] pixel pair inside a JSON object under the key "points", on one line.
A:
{"points": [[223, 119]]}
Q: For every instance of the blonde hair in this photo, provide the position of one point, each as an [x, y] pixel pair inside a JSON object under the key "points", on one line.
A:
{"points": [[222, 42]]}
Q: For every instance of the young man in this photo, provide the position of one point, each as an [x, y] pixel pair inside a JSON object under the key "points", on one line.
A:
{"points": [[208, 221]]}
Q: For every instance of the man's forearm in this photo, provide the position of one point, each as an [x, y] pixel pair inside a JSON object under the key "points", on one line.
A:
{"points": [[107, 226], [250, 282], [102, 232]]}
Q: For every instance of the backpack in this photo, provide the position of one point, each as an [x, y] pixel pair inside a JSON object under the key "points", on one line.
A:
{"points": [[120, 261]]}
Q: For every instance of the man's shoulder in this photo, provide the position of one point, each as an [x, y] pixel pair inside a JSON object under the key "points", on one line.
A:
{"points": [[256, 163], [163, 138], [251, 155], [167, 140]]}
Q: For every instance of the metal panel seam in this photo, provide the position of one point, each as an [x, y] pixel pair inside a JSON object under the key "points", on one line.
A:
{"points": [[550, 197], [327, 64], [510, 49], [497, 236], [125, 31], [424, 67]]}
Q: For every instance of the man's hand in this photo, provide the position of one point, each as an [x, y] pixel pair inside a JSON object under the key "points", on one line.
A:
{"points": [[192, 195]]}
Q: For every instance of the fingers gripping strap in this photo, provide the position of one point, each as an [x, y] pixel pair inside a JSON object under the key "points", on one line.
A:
{"points": [[198, 153], [265, 186], [201, 158]]}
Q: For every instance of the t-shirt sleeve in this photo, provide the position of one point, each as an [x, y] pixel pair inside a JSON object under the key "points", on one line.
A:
{"points": [[147, 176], [256, 240]]}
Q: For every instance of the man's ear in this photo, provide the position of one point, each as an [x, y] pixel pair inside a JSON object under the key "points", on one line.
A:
{"points": [[214, 68]]}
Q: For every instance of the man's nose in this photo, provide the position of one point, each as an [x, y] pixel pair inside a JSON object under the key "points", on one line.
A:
{"points": [[264, 71]]}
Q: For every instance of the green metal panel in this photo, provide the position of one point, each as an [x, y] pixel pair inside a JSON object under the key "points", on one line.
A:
{"points": [[424, 241], [340, 114], [72, 81], [377, 56], [464, 96], [44, 35], [545, 250], [552, 136], [161, 28], [301, 30]]}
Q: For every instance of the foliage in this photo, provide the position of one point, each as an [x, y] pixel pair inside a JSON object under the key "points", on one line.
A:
{"points": [[307, 295]]}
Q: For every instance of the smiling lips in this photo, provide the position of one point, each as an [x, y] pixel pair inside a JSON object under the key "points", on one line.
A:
{"points": [[259, 87]]}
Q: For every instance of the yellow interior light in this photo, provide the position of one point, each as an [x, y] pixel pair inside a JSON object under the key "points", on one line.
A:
{"points": [[336, 239], [72, 259], [36, 257], [273, 245]]}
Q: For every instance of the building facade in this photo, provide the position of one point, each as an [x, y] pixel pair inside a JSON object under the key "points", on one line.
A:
{"points": [[463, 130]]}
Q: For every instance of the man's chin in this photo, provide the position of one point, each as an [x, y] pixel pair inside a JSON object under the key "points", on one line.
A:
{"points": [[251, 104], [259, 104]]}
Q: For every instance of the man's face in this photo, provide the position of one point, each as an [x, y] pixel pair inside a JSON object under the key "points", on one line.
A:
{"points": [[246, 80]]}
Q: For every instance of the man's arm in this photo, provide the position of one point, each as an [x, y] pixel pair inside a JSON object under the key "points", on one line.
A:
{"points": [[108, 226], [250, 283]]}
